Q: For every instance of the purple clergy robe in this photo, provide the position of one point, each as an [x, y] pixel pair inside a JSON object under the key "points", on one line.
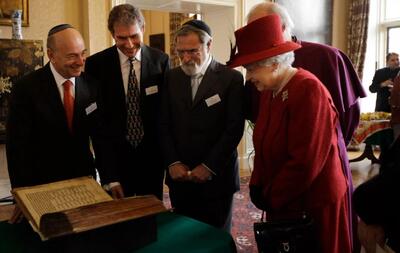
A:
{"points": [[335, 70]]}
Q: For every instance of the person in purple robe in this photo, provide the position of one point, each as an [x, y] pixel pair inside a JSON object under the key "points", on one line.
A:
{"points": [[335, 70]]}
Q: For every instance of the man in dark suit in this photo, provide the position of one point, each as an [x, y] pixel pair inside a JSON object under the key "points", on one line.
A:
{"points": [[202, 124], [131, 77], [53, 112], [382, 83]]}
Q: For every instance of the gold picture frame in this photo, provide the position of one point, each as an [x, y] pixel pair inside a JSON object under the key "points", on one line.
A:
{"points": [[8, 6]]}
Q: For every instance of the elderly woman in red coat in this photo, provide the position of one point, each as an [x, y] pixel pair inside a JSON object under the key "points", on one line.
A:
{"points": [[297, 167]]}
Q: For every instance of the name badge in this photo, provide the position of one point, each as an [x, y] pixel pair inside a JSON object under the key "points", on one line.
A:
{"points": [[213, 100], [151, 90], [91, 108]]}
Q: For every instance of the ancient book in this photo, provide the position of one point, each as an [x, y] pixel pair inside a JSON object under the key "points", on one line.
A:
{"points": [[78, 205]]}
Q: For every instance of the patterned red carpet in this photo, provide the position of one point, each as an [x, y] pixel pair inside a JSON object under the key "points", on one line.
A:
{"points": [[244, 215]]}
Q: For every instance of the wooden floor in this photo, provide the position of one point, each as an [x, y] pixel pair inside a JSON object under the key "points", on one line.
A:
{"points": [[361, 171]]}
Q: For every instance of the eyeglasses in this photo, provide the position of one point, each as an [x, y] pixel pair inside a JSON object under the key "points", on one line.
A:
{"points": [[191, 52]]}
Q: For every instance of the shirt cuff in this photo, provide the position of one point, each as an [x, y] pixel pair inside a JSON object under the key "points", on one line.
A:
{"points": [[172, 164], [108, 187], [210, 170]]}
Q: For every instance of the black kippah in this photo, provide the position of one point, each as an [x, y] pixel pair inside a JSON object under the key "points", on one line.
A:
{"points": [[199, 25], [58, 28]]}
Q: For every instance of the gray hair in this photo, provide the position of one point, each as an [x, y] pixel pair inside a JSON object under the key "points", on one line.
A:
{"points": [[125, 14], [285, 59], [274, 8], [188, 29]]}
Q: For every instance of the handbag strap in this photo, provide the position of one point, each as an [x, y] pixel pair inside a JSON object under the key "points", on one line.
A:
{"points": [[302, 215]]}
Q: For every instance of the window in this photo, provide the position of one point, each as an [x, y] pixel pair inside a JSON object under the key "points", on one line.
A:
{"points": [[393, 39], [383, 37], [390, 21], [391, 9]]}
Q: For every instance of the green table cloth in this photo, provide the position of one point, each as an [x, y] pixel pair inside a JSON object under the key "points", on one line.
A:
{"points": [[175, 234]]}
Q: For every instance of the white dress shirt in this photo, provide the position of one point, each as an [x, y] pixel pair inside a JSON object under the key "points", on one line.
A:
{"points": [[125, 66], [60, 81]]}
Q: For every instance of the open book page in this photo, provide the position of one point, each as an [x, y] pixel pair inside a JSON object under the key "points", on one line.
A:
{"points": [[59, 196]]}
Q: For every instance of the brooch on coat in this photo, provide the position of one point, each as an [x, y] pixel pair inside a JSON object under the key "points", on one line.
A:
{"points": [[285, 95]]}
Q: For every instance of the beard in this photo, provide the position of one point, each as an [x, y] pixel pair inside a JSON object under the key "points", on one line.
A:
{"points": [[191, 68]]}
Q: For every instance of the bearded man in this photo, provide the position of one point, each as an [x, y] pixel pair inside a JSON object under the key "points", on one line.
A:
{"points": [[202, 123]]}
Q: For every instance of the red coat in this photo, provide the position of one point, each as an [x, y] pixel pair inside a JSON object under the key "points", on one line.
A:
{"points": [[297, 161]]}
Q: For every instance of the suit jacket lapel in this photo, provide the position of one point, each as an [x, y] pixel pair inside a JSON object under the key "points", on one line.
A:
{"points": [[52, 98], [182, 87], [186, 89], [81, 95], [146, 70], [81, 92], [115, 72], [144, 67], [209, 79]]}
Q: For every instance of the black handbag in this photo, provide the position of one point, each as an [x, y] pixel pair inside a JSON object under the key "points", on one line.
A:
{"points": [[286, 236]]}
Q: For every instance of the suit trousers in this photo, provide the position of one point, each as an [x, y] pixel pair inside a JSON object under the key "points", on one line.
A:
{"points": [[140, 171]]}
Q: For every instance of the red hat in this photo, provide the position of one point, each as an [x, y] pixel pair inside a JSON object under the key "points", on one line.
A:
{"points": [[259, 40]]}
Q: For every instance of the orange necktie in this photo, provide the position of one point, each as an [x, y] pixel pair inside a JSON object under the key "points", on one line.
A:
{"points": [[68, 103]]}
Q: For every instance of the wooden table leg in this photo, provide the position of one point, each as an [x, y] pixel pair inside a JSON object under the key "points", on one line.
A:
{"points": [[367, 153]]}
